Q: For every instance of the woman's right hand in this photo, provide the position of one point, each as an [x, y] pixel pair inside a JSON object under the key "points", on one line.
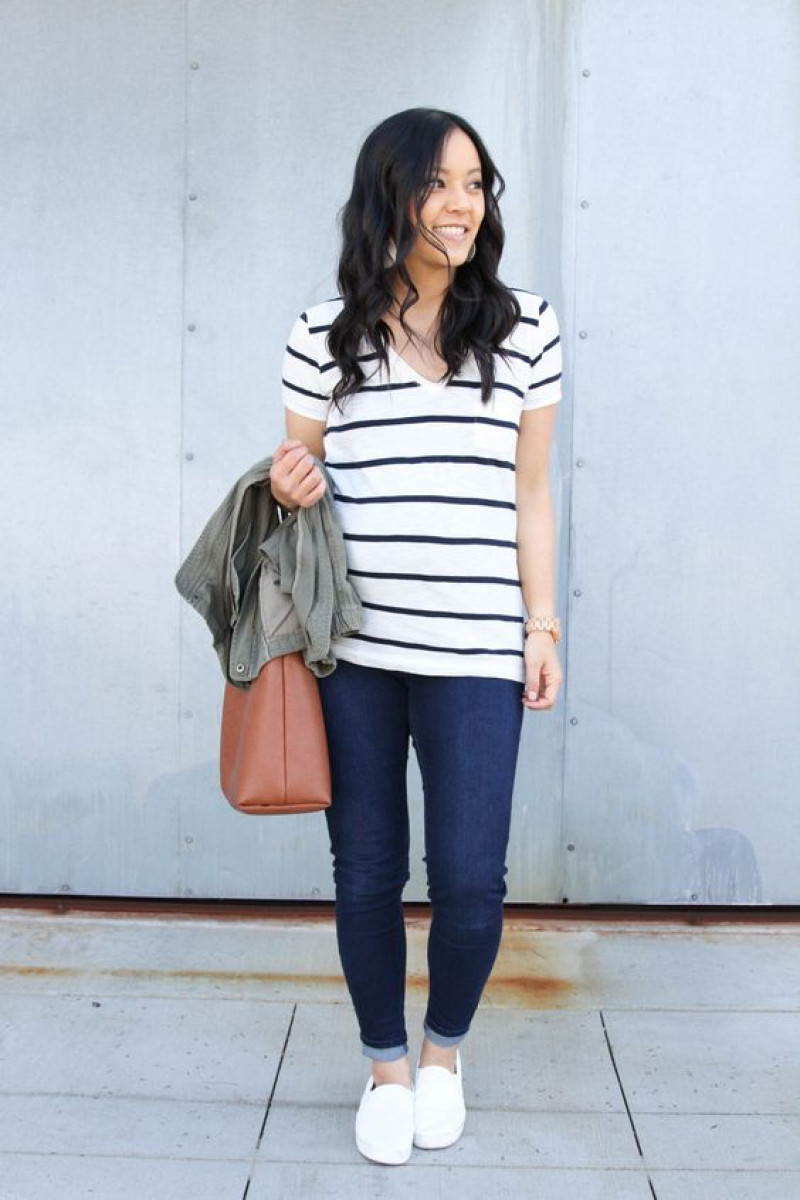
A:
{"points": [[294, 478]]}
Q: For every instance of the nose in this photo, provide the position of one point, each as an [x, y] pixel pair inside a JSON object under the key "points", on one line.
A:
{"points": [[461, 199], [459, 202]]}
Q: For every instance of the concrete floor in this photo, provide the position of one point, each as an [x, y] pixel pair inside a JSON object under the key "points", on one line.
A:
{"points": [[146, 1057]]}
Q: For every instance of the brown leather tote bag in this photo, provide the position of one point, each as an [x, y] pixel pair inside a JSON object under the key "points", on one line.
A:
{"points": [[273, 746]]}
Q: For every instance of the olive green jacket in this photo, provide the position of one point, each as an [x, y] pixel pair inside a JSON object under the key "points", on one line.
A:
{"points": [[268, 581]]}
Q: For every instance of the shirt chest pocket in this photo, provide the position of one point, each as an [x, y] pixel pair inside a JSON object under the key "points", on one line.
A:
{"points": [[497, 441]]}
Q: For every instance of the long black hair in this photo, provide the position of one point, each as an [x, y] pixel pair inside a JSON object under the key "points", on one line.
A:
{"points": [[392, 173]]}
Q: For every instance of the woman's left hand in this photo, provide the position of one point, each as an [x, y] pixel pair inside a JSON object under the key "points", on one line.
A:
{"points": [[543, 674]]}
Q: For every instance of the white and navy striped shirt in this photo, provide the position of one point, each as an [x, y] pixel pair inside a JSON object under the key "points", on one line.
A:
{"points": [[424, 488]]}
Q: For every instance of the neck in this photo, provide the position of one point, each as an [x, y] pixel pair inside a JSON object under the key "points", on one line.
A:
{"points": [[432, 283]]}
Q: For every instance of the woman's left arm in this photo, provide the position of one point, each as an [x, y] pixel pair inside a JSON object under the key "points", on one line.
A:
{"points": [[536, 549]]}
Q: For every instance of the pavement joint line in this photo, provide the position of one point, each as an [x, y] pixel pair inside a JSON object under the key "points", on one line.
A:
{"points": [[259, 1139]]}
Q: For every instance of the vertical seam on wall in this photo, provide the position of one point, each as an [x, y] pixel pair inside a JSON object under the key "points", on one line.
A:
{"points": [[181, 394], [575, 85]]}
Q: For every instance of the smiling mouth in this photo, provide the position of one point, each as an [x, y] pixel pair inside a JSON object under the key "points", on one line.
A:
{"points": [[453, 233]]}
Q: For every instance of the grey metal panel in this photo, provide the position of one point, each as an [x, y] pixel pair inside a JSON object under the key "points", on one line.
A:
{"points": [[682, 753], [91, 112], [273, 131], [170, 194]]}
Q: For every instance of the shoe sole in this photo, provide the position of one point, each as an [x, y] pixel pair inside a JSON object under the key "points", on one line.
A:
{"points": [[379, 1156], [431, 1143]]}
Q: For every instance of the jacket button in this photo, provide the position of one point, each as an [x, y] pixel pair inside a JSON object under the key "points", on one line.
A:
{"points": [[240, 667]]}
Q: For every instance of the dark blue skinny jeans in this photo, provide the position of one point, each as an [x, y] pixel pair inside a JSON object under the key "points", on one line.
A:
{"points": [[466, 732]]}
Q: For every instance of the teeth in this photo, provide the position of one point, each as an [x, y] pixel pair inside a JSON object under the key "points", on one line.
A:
{"points": [[452, 230]]}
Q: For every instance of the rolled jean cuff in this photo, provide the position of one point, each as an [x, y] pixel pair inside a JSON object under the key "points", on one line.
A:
{"points": [[384, 1053], [441, 1039]]}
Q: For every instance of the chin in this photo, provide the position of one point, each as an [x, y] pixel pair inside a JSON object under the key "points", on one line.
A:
{"points": [[456, 257]]}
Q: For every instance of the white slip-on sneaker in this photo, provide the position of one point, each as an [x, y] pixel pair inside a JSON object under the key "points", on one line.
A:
{"points": [[385, 1122], [439, 1110]]}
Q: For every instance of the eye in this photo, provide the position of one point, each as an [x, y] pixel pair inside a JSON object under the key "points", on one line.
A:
{"points": [[478, 183]]}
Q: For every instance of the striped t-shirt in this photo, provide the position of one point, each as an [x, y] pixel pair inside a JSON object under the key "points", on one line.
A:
{"points": [[424, 488]]}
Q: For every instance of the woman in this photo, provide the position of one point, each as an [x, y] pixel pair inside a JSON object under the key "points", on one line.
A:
{"points": [[428, 388]]}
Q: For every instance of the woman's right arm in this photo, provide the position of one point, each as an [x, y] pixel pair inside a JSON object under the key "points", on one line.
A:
{"points": [[294, 478]]}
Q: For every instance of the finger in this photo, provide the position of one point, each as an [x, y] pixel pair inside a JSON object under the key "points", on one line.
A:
{"points": [[310, 483], [532, 696], [314, 496], [301, 469], [276, 474], [283, 449], [297, 486], [550, 690], [533, 672], [300, 487], [279, 474], [294, 455]]}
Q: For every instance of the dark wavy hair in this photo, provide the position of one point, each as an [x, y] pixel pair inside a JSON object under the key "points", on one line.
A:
{"points": [[393, 173]]}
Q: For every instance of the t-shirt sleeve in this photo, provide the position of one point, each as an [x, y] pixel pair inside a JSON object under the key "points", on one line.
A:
{"points": [[544, 383], [302, 387]]}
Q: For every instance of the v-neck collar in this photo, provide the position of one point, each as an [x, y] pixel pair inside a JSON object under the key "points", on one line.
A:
{"points": [[438, 384]]}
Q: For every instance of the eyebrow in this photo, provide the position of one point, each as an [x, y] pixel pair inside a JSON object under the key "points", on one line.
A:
{"points": [[444, 171]]}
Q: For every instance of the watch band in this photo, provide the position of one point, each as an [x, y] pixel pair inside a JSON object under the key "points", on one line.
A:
{"points": [[550, 625]]}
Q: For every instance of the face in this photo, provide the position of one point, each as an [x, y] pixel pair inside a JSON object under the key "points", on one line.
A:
{"points": [[455, 207]]}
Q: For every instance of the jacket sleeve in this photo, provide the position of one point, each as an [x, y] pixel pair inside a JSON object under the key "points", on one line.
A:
{"points": [[326, 603], [202, 578]]}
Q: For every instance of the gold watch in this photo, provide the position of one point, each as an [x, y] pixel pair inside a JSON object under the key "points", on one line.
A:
{"points": [[549, 625]]}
